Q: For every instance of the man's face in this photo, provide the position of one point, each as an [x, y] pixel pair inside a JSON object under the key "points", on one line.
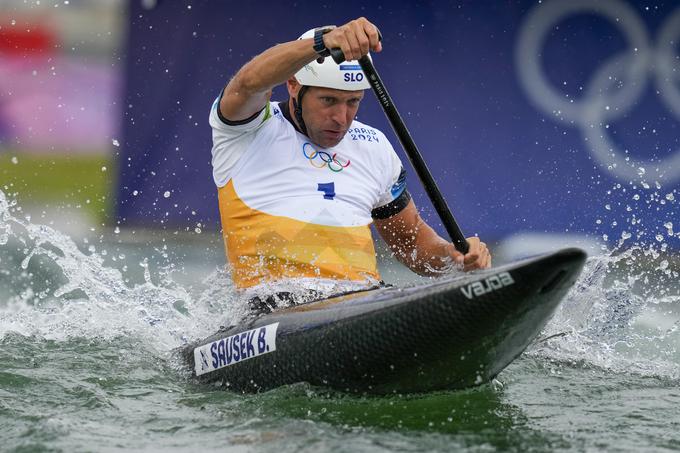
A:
{"points": [[328, 113]]}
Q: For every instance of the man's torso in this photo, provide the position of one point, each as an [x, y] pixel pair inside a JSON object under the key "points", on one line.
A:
{"points": [[291, 209]]}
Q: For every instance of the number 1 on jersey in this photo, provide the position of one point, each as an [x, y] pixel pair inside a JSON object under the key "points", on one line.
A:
{"points": [[328, 189]]}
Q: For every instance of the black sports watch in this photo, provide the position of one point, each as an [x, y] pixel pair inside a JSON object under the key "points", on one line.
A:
{"points": [[319, 46]]}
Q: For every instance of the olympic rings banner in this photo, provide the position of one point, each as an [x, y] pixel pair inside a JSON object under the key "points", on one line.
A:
{"points": [[558, 116]]}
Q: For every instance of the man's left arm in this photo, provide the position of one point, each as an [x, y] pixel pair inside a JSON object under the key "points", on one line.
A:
{"points": [[419, 247]]}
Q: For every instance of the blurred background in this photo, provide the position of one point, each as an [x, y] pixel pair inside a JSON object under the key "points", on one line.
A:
{"points": [[61, 76], [544, 122]]}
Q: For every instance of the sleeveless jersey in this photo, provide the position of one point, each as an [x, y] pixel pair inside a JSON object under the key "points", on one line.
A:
{"points": [[291, 209]]}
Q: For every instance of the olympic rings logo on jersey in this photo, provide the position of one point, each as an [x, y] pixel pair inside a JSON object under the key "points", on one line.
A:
{"points": [[321, 159], [614, 88]]}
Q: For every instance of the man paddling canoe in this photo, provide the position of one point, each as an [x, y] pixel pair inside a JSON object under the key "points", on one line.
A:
{"points": [[300, 181]]}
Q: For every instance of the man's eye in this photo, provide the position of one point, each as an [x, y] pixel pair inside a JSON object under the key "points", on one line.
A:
{"points": [[327, 100]]}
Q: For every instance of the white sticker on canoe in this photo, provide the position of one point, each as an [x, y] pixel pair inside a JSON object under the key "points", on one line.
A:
{"points": [[234, 349]]}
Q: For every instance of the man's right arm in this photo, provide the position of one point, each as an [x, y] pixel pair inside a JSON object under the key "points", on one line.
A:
{"points": [[251, 88]]}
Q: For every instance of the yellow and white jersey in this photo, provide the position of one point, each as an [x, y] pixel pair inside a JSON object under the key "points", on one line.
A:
{"points": [[291, 209]]}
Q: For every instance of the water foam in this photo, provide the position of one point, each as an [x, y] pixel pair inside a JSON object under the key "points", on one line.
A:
{"points": [[56, 291], [624, 312]]}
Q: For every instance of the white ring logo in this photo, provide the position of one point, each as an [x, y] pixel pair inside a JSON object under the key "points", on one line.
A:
{"points": [[614, 88]]}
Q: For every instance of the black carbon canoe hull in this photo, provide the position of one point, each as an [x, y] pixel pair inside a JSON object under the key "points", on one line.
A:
{"points": [[449, 334]]}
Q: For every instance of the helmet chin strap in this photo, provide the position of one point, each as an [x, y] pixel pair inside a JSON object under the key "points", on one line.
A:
{"points": [[297, 109]]}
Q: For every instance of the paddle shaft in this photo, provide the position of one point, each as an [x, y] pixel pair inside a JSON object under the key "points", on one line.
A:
{"points": [[411, 150]]}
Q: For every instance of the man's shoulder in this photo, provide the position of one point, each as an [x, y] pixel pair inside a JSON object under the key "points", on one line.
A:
{"points": [[275, 109], [223, 127]]}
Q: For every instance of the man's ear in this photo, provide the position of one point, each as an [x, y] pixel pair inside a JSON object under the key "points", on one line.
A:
{"points": [[293, 87]]}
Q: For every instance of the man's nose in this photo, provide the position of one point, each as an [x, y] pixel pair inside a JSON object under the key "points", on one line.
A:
{"points": [[339, 114]]}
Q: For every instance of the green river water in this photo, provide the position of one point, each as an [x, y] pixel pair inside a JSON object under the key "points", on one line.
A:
{"points": [[89, 326]]}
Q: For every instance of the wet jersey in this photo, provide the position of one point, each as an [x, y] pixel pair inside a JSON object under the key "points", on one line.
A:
{"points": [[291, 209]]}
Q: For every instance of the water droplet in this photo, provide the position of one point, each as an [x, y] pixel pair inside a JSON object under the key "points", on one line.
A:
{"points": [[166, 194], [115, 142], [608, 207], [103, 168], [659, 237], [625, 235], [116, 230], [135, 193], [670, 197], [641, 171], [14, 160]]}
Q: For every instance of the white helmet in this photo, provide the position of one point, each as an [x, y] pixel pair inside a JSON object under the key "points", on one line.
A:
{"points": [[346, 76]]}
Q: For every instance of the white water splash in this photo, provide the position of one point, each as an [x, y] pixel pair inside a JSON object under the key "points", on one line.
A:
{"points": [[624, 312], [62, 292]]}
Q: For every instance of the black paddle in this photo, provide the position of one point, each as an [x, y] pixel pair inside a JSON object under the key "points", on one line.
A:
{"points": [[411, 149]]}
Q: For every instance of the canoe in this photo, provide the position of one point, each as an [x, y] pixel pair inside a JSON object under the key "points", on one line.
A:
{"points": [[450, 333]]}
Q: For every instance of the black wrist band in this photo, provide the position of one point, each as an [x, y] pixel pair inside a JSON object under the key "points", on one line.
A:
{"points": [[319, 46]]}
